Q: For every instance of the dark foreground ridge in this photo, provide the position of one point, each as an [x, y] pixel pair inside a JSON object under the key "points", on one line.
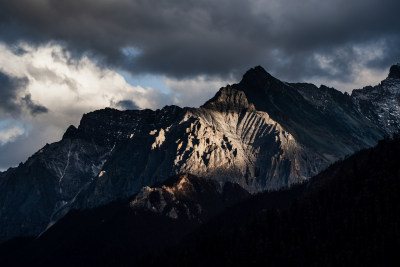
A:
{"points": [[125, 231], [349, 215]]}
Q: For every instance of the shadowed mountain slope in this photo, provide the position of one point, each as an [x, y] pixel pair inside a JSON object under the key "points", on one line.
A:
{"points": [[349, 215]]}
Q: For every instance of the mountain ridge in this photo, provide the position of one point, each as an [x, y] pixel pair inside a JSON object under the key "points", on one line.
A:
{"points": [[262, 133]]}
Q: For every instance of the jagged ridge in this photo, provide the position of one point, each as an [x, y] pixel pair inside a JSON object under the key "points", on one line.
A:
{"points": [[262, 133]]}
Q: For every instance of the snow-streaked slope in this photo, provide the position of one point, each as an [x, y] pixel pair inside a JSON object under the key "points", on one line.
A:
{"points": [[32, 193]]}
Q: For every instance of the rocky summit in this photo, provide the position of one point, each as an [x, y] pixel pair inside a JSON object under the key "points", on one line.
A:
{"points": [[394, 71], [262, 134]]}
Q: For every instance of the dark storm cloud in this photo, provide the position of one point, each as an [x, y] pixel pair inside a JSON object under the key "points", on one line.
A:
{"points": [[184, 38], [33, 108], [127, 104], [9, 89], [11, 103]]}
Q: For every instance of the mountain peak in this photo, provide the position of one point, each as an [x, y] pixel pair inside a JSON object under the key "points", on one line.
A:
{"points": [[256, 77], [256, 70], [72, 132], [394, 72]]}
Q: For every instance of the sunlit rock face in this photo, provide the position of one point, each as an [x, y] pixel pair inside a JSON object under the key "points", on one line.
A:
{"points": [[262, 134], [188, 197], [227, 140]]}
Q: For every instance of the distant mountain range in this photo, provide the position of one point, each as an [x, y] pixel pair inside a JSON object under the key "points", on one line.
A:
{"points": [[260, 134]]}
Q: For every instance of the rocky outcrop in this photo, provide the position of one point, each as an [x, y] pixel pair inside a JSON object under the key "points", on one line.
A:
{"points": [[381, 103], [394, 72], [188, 197]]}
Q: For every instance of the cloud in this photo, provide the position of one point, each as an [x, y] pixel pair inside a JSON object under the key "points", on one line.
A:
{"points": [[19, 148], [9, 131], [10, 87], [10, 101], [187, 38], [350, 75], [33, 108], [196, 91], [55, 80], [127, 104]]}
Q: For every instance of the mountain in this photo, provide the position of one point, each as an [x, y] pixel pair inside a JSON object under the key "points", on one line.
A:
{"points": [[262, 134]]}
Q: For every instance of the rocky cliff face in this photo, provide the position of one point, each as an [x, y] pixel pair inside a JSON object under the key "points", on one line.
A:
{"points": [[226, 140], [381, 103], [263, 134]]}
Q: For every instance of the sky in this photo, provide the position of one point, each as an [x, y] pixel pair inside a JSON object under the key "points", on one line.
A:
{"points": [[60, 59]]}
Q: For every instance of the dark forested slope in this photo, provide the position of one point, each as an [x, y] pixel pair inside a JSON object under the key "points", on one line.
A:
{"points": [[347, 215]]}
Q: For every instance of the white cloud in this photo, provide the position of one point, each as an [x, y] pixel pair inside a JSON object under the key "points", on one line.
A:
{"points": [[10, 131], [62, 83]]}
